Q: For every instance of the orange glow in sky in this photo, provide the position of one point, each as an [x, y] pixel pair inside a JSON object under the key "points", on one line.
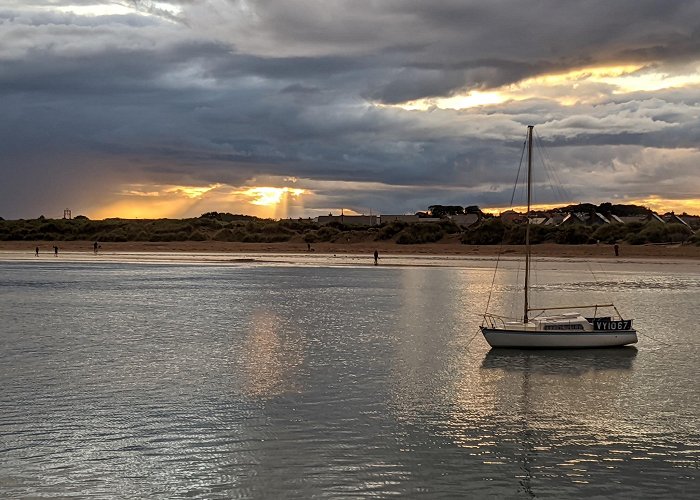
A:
{"points": [[662, 206], [156, 201]]}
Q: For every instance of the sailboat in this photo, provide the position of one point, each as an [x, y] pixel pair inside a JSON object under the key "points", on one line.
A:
{"points": [[566, 327]]}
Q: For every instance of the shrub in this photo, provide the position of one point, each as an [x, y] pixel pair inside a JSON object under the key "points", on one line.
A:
{"points": [[141, 236], [489, 232], [197, 236], [209, 223], [390, 229], [301, 225], [178, 236], [327, 233], [274, 228], [660, 233], [449, 226], [168, 226], [611, 233], [266, 237], [420, 233], [576, 234], [542, 234], [223, 235], [311, 237]]}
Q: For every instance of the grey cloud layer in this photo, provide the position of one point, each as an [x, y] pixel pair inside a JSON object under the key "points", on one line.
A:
{"points": [[226, 91]]}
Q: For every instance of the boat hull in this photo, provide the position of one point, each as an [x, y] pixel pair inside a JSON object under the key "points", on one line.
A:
{"points": [[558, 340]]}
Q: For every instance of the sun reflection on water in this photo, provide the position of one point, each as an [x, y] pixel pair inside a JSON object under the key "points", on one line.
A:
{"points": [[271, 359]]}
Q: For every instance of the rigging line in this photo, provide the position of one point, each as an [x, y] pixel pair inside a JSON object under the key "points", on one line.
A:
{"points": [[546, 171], [555, 184], [471, 339], [606, 294], [590, 268], [546, 162], [655, 339], [555, 181], [500, 248], [517, 176]]}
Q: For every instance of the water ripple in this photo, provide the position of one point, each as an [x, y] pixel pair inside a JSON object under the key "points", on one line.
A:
{"points": [[125, 380]]}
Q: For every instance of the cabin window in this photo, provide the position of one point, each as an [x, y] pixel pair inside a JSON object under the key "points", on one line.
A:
{"points": [[575, 326]]}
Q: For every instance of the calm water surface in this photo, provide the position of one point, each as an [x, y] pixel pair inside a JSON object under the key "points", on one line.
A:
{"points": [[250, 381]]}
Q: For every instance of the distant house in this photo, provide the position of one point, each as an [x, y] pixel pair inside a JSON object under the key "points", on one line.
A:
{"points": [[398, 218], [512, 216], [652, 217], [692, 220], [597, 219], [674, 219], [631, 219], [614, 219], [573, 218], [555, 220], [538, 221], [465, 220], [643, 219], [351, 220], [300, 219], [594, 219]]}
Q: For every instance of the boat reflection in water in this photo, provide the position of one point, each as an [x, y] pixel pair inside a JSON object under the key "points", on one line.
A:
{"points": [[560, 362], [558, 392]]}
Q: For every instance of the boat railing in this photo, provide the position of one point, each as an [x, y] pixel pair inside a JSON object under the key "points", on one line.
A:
{"points": [[494, 322], [595, 307]]}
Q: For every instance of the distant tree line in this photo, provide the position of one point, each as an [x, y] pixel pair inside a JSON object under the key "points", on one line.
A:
{"points": [[494, 231], [445, 210], [216, 226]]}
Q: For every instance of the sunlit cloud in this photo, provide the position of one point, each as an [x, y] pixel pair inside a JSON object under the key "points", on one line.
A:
{"points": [[190, 191], [266, 196], [137, 192], [112, 9], [118, 8], [583, 85], [468, 100]]}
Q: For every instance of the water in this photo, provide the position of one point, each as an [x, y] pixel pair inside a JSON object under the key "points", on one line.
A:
{"points": [[120, 379]]}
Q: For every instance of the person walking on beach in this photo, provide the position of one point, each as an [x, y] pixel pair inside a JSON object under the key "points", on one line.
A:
{"points": [[617, 250], [55, 251], [94, 247], [36, 251], [376, 257]]}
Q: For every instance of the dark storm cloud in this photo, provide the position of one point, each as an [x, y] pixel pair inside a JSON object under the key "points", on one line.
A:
{"points": [[226, 91], [449, 45]]}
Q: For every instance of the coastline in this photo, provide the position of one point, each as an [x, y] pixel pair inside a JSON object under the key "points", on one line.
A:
{"points": [[602, 251]]}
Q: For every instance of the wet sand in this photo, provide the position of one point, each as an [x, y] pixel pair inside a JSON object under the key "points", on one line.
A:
{"points": [[655, 252]]}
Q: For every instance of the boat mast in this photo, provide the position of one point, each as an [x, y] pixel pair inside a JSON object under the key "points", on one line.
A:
{"points": [[527, 223]]}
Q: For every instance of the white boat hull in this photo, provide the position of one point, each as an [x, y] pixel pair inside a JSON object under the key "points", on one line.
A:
{"points": [[562, 340]]}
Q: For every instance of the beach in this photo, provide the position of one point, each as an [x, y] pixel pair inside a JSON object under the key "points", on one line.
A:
{"points": [[448, 248]]}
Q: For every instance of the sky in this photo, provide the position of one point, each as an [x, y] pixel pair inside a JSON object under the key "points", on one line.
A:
{"points": [[298, 108]]}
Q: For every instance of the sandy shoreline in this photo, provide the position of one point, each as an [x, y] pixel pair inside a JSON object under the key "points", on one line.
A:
{"points": [[656, 252]]}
